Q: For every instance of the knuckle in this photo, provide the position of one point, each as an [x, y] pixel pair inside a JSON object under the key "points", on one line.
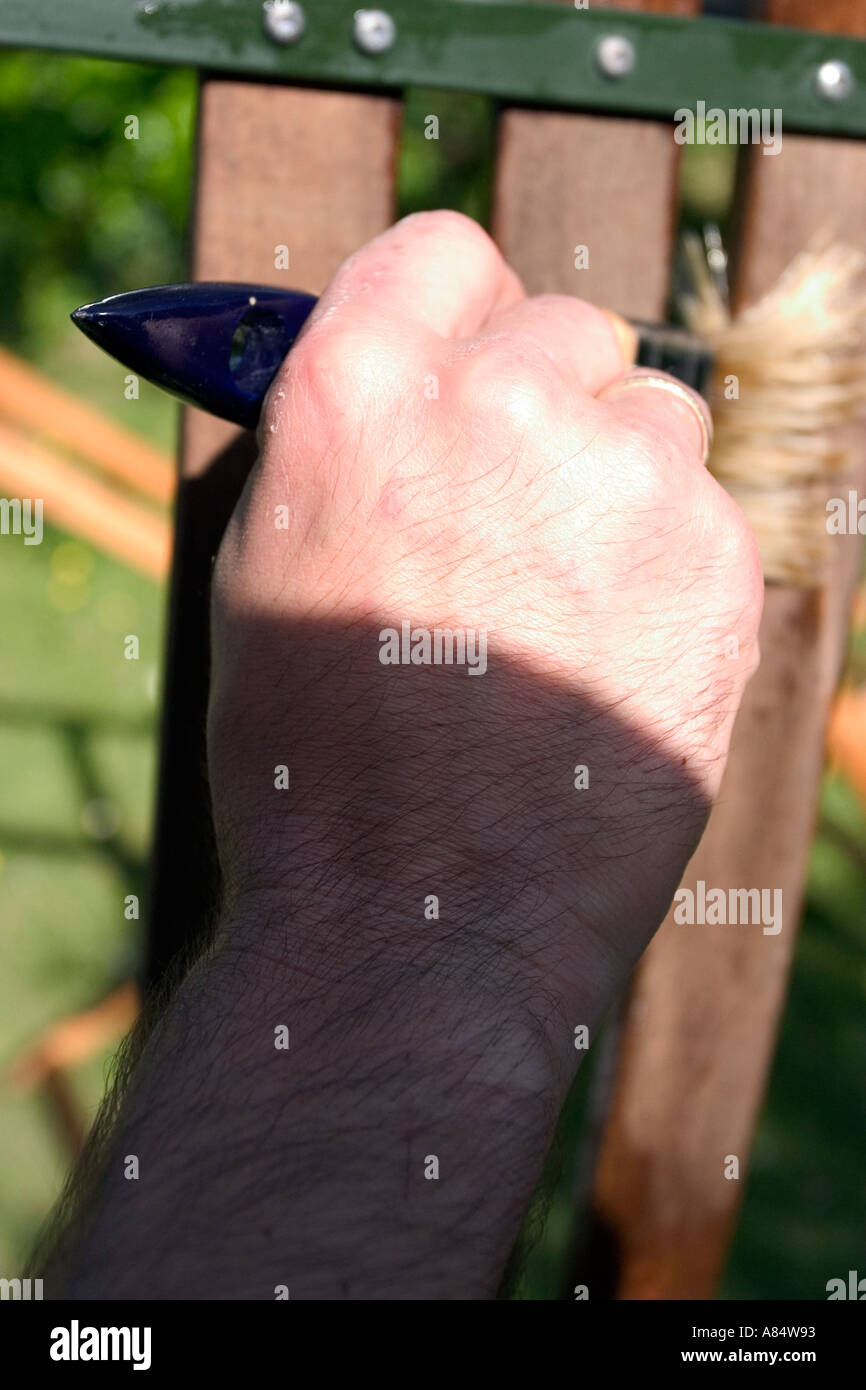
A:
{"points": [[737, 547], [564, 308], [640, 477], [507, 379], [735, 589], [446, 222], [346, 371]]}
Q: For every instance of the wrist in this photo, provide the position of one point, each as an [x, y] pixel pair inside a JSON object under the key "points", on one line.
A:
{"points": [[339, 940], [429, 828]]}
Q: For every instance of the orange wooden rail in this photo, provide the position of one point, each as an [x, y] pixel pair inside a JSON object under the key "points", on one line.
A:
{"points": [[37, 405]]}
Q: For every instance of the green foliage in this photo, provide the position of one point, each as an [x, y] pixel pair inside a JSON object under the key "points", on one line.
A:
{"points": [[85, 212], [454, 168], [77, 749]]}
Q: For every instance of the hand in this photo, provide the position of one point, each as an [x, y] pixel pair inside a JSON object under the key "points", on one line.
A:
{"points": [[419, 889], [441, 450]]}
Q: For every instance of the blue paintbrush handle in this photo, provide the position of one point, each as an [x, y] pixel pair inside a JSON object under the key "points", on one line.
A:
{"points": [[215, 345], [219, 345]]}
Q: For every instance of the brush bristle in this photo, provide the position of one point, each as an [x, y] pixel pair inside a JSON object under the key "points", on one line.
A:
{"points": [[787, 390]]}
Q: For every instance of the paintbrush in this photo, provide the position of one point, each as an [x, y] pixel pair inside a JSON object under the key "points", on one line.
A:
{"points": [[786, 379], [787, 393], [219, 345]]}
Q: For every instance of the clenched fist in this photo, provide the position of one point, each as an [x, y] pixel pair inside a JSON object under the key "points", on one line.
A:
{"points": [[457, 480], [481, 624]]}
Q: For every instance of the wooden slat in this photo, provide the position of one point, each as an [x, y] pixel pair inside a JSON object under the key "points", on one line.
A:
{"points": [[608, 183], [703, 1015], [680, 7], [565, 181], [827, 16], [277, 166], [605, 182], [284, 166]]}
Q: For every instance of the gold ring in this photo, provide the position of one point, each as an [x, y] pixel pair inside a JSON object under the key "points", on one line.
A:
{"points": [[666, 383]]}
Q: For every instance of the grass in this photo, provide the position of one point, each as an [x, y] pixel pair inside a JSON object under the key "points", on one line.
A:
{"points": [[77, 748]]}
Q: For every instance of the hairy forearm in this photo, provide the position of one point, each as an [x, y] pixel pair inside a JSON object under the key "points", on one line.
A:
{"points": [[314, 1166], [433, 876], [353, 1093]]}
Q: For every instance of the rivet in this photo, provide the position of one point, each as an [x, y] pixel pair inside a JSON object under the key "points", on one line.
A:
{"points": [[615, 55], [834, 80], [284, 21], [374, 31]]}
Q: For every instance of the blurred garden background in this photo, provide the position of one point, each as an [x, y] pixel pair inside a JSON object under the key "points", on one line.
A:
{"points": [[85, 212]]}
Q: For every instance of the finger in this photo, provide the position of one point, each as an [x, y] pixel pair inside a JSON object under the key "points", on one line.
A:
{"points": [[645, 397], [438, 271], [591, 347]]}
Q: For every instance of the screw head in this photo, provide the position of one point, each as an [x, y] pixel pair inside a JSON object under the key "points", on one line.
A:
{"points": [[615, 55], [834, 80], [374, 31], [284, 21]]}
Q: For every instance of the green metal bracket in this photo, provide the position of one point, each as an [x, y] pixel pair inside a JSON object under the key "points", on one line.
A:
{"points": [[519, 52]]}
